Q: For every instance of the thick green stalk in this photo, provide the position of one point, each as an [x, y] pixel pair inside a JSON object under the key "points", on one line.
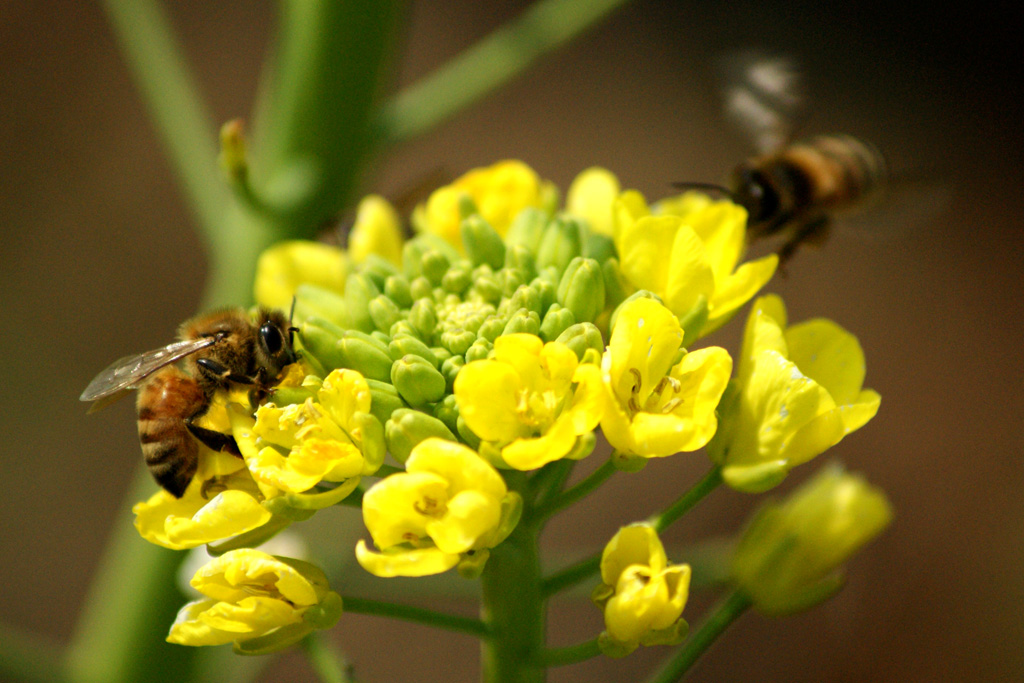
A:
{"points": [[688, 500], [27, 657], [491, 63], [722, 616], [513, 607]]}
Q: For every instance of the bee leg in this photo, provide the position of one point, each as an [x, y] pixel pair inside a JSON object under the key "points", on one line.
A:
{"points": [[813, 231], [222, 372], [214, 440]]}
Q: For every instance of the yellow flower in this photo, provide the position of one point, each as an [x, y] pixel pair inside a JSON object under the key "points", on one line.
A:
{"points": [[283, 267], [377, 230], [499, 193], [688, 255], [250, 594], [532, 400], [798, 392], [642, 595], [654, 408], [448, 504], [592, 196], [295, 447], [787, 559]]}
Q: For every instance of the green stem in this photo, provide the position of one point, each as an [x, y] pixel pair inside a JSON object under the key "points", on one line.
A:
{"points": [[575, 493], [328, 663], [570, 576], [723, 614], [688, 500], [513, 607], [449, 622], [492, 62], [170, 93], [546, 483], [27, 657], [572, 654]]}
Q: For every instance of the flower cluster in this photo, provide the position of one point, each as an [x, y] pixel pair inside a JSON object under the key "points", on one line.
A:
{"points": [[481, 355]]}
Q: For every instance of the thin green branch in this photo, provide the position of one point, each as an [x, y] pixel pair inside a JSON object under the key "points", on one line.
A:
{"points": [[170, 93], [570, 576], [491, 63], [30, 658], [688, 500], [722, 616], [577, 492], [330, 665], [450, 622], [572, 654]]}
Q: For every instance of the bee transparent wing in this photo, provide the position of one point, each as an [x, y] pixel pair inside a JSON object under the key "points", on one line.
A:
{"points": [[125, 373], [764, 97], [904, 207]]}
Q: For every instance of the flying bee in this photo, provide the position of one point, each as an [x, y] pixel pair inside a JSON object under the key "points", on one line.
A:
{"points": [[220, 350], [792, 188]]}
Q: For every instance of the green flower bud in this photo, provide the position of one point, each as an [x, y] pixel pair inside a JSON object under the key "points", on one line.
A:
{"points": [[479, 350], [561, 244], [417, 380], [546, 290], [582, 289], [447, 411], [599, 247], [523, 321], [384, 312], [482, 243], [412, 258], [789, 557], [580, 337], [407, 428], [423, 317], [487, 288], [397, 288], [365, 354], [435, 265], [450, 369], [615, 286], [405, 344], [421, 288], [556, 321], [527, 229], [442, 354], [378, 269], [525, 297], [492, 328], [359, 292], [384, 400], [311, 300], [521, 258], [456, 280], [510, 279], [402, 328], [458, 340], [319, 339]]}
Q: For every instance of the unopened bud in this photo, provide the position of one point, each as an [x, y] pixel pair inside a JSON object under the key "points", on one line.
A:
{"points": [[581, 289], [556, 321], [560, 245], [384, 312], [417, 380], [407, 428], [482, 243], [523, 321], [581, 337]]}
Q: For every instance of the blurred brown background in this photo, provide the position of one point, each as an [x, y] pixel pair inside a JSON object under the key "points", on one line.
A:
{"points": [[98, 260]]}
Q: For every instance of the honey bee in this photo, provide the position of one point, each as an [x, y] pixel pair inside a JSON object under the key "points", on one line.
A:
{"points": [[792, 188], [220, 350]]}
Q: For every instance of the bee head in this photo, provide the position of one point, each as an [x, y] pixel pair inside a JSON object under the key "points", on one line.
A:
{"points": [[273, 341], [754, 193]]}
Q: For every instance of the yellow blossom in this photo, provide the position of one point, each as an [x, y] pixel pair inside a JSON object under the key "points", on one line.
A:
{"points": [[447, 505], [295, 447], [787, 559], [592, 196], [643, 596], [532, 400], [656, 406], [249, 595], [499, 192], [688, 254], [282, 268], [376, 230], [798, 392]]}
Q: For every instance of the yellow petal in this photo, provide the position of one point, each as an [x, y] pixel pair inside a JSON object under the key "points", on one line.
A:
{"points": [[470, 515], [591, 196], [486, 392], [421, 562]]}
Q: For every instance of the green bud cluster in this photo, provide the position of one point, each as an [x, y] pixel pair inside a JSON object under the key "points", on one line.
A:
{"points": [[410, 330]]}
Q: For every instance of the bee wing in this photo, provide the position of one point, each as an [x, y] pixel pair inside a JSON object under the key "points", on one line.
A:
{"points": [[764, 97], [906, 206], [125, 373]]}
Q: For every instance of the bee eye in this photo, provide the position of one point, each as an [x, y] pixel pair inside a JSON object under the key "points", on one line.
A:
{"points": [[273, 341]]}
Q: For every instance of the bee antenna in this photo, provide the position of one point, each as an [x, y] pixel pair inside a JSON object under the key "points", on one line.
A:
{"points": [[713, 187], [291, 312]]}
